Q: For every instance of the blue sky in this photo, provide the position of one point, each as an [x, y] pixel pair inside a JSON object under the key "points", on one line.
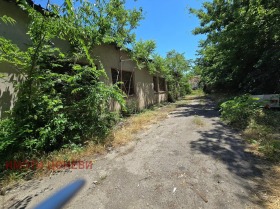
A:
{"points": [[168, 22]]}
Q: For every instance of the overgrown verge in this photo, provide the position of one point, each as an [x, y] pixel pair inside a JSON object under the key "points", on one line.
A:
{"points": [[273, 183], [61, 101], [260, 127], [121, 134]]}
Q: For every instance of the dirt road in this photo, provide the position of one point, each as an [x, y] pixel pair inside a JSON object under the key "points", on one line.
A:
{"points": [[189, 160]]}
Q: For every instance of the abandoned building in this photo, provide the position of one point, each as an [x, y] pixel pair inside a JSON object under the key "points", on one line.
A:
{"points": [[139, 85]]}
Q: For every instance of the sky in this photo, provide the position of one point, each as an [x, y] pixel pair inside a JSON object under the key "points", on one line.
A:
{"points": [[167, 22]]}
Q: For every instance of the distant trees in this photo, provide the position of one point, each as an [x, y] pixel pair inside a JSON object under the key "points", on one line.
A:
{"points": [[174, 67], [242, 50], [177, 77]]}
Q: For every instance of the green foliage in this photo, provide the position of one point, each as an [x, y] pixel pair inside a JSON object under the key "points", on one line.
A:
{"points": [[106, 21], [242, 54], [62, 101], [177, 76], [131, 108], [240, 110], [142, 54], [5, 134], [7, 20], [264, 131], [242, 50], [185, 87]]}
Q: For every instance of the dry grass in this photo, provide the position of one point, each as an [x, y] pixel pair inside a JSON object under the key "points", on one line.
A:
{"points": [[198, 92], [198, 121], [270, 183], [138, 123], [273, 182], [264, 139], [270, 188], [262, 135]]}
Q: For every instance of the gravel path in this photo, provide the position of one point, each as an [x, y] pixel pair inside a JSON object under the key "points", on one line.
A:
{"points": [[189, 160]]}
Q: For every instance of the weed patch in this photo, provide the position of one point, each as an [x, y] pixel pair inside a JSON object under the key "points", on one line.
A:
{"points": [[198, 121]]}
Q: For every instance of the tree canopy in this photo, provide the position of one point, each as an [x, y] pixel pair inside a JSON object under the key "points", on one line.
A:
{"points": [[242, 50]]}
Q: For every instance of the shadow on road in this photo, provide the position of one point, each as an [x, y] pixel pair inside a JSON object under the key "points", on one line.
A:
{"points": [[204, 110], [223, 144]]}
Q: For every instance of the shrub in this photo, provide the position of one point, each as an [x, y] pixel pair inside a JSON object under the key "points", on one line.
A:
{"points": [[130, 108], [261, 126], [185, 89], [240, 110], [173, 93], [63, 109]]}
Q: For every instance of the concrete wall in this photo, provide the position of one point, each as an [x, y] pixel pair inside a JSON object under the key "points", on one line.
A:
{"points": [[17, 34], [112, 57]]}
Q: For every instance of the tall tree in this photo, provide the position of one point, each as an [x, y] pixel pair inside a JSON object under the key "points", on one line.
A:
{"points": [[242, 50], [178, 67]]}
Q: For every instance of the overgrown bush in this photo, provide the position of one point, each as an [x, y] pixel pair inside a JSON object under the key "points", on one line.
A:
{"points": [[130, 108], [61, 102], [240, 110], [185, 88], [260, 126], [173, 92], [63, 109], [264, 131]]}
